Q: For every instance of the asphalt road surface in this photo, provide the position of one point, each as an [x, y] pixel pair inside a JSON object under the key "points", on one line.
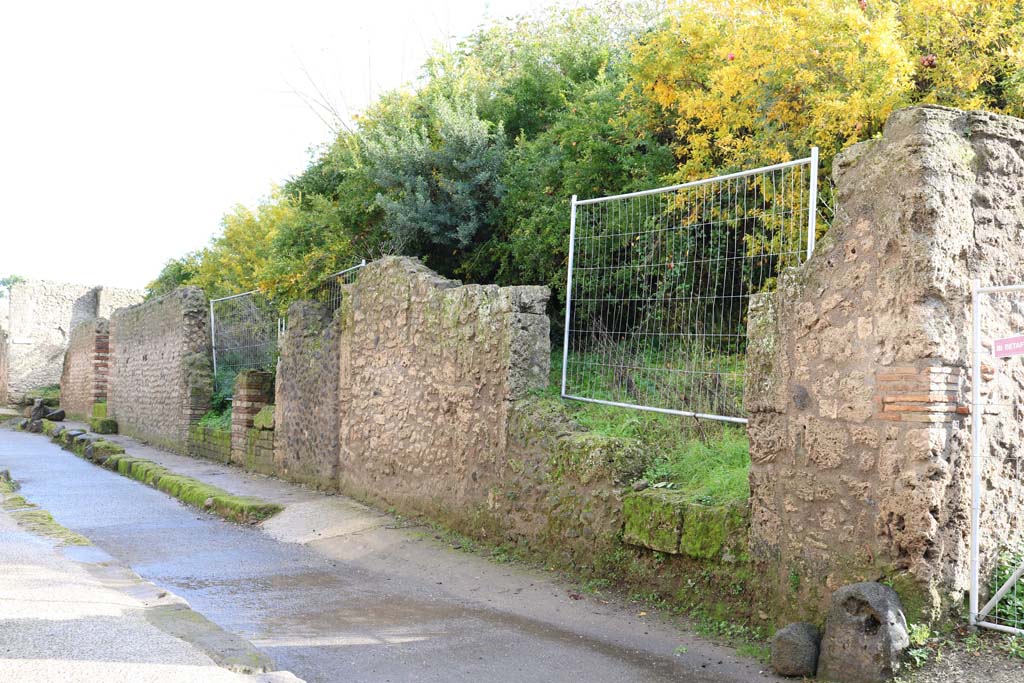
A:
{"points": [[334, 591]]}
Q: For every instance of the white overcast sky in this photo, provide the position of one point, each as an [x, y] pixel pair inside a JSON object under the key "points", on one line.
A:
{"points": [[127, 129]]}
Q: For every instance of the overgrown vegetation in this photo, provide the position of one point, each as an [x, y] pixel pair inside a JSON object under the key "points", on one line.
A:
{"points": [[471, 167], [217, 419], [1010, 609], [708, 461]]}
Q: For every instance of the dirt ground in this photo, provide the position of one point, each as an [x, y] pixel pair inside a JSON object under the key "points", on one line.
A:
{"points": [[962, 657]]}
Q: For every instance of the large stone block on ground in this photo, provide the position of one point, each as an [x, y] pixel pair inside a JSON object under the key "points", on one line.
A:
{"points": [[865, 634], [795, 650], [713, 531], [654, 519]]}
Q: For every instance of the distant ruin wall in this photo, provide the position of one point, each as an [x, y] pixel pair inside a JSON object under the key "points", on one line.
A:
{"points": [[83, 381], [858, 381], [160, 380], [41, 317]]}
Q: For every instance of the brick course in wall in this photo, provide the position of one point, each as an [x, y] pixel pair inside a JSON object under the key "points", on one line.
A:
{"points": [[253, 390], [83, 381], [160, 378]]}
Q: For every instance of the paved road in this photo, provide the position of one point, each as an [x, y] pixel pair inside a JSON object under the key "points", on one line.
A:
{"points": [[60, 623], [333, 591]]}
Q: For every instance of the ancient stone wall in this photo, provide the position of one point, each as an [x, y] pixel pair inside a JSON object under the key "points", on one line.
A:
{"points": [[428, 369], [3, 367], [253, 390], [83, 381], [858, 382], [306, 403], [209, 443], [41, 316], [160, 379]]}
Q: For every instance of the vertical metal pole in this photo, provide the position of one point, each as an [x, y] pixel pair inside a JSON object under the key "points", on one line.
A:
{"points": [[213, 343], [568, 292], [812, 208], [975, 443]]}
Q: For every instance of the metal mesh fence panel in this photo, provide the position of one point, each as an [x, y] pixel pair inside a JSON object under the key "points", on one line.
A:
{"points": [[245, 329], [329, 291], [659, 283], [997, 439]]}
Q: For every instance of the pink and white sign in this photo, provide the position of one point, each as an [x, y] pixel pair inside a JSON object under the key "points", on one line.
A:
{"points": [[1010, 346]]}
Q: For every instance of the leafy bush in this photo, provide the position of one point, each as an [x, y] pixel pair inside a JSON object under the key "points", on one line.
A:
{"points": [[1009, 610], [217, 419]]}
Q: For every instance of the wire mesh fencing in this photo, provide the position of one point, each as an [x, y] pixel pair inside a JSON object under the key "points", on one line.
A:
{"points": [[659, 283], [245, 329], [997, 458], [330, 289]]}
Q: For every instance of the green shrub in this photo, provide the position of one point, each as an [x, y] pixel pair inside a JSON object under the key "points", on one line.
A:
{"points": [[216, 419]]}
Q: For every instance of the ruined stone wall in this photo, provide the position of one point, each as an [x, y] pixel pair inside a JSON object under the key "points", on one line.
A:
{"points": [[306, 401], [160, 379], [83, 381], [427, 372], [3, 367], [41, 316], [858, 383]]}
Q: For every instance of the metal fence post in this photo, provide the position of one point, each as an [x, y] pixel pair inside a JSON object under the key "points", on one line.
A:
{"points": [[812, 208], [568, 292], [975, 444], [213, 340]]}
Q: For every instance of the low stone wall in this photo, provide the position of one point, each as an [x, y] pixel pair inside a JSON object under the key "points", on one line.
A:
{"points": [[83, 381], [259, 450], [161, 380], [209, 443], [858, 388]]}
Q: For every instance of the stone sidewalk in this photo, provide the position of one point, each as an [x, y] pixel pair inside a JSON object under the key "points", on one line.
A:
{"points": [[66, 621]]}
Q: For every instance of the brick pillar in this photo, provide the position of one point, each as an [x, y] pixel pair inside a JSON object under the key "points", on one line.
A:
{"points": [[100, 362], [253, 390]]}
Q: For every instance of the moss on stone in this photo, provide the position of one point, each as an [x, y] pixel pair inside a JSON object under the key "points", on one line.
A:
{"points": [[587, 456], [708, 531], [192, 491], [653, 519], [42, 522], [265, 418], [103, 425], [99, 410], [16, 502], [922, 603]]}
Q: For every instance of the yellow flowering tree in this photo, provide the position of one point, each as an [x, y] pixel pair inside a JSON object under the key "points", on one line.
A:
{"points": [[736, 83]]}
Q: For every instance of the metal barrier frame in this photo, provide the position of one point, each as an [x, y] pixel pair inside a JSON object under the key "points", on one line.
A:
{"points": [[811, 162], [978, 616]]}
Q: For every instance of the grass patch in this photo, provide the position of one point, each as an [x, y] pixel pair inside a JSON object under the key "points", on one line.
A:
{"points": [[706, 460], [217, 419], [1009, 610]]}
